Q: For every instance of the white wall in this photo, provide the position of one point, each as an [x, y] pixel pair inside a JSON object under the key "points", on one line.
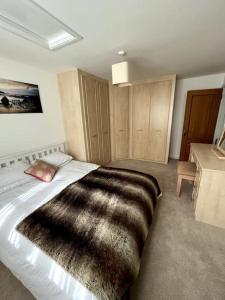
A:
{"points": [[182, 86], [221, 119], [21, 132]]}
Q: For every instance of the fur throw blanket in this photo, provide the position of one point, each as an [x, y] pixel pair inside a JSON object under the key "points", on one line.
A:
{"points": [[96, 227]]}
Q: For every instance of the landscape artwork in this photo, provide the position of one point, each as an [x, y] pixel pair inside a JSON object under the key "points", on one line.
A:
{"points": [[19, 97]]}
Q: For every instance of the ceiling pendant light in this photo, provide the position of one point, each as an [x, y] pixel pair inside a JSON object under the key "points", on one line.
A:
{"points": [[121, 72]]}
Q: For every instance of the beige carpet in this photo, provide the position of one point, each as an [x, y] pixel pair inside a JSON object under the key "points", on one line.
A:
{"points": [[182, 260]]}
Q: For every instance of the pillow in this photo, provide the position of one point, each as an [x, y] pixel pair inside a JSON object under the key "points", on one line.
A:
{"points": [[42, 170], [13, 176], [58, 159]]}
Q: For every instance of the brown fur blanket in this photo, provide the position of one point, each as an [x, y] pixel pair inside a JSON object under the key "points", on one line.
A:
{"points": [[96, 227]]}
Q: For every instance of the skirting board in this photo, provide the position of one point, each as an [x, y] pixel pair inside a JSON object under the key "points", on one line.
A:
{"points": [[174, 157]]}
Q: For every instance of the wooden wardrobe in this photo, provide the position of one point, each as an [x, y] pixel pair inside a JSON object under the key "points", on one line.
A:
{"points": [[119, 120], [141, 117], [85, 106]]}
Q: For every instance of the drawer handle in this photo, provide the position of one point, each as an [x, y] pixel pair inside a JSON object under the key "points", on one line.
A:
{"points": [[94, 136], [122, 130], [140, 130], [106, 132]]}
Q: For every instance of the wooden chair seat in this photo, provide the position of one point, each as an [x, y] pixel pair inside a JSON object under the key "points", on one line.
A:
{"points": [[185, 170]]}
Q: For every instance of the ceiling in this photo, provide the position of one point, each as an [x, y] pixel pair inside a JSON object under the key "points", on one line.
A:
{"points": [[186, 37]]}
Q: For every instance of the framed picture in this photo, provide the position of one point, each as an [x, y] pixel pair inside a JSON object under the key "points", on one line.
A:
{"points": [[19, 97]]}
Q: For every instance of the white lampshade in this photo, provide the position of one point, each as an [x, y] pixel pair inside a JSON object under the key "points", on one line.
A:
{"points": [[121, 73]]}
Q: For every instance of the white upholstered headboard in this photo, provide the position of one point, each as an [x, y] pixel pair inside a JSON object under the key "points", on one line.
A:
{"points": [[31, 155]]}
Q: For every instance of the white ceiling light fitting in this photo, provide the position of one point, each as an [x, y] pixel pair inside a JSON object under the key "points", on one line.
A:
{"points": [[27, 19], [121, 72], [122, 53]]}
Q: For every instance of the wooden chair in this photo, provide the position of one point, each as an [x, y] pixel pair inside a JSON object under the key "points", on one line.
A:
{"points": [[185, 170]]}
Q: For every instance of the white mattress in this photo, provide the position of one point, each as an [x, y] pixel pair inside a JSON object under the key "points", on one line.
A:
{"points": [[37, 271]]}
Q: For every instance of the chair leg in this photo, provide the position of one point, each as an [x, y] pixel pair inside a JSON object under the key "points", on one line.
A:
{"points": [[179, 182]]}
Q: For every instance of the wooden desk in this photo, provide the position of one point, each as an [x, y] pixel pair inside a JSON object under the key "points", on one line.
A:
{"points": [[209, 185]]}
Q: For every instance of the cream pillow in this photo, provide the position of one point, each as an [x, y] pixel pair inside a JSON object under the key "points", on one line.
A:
{"points": [[58, 159]]}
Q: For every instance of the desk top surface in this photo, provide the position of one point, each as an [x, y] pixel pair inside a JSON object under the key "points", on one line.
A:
{"points": [[206, 158]]}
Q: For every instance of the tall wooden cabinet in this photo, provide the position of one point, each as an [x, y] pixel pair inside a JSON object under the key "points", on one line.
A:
{"points": [[140, 111], [119, 121], [85, 106], [148, 107]]}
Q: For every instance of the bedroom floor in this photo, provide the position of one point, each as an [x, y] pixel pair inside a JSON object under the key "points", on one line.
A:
{"points": [[182, 260]]}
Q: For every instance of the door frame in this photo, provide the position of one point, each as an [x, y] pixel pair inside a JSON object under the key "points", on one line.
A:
{"points": [[190, 94]]}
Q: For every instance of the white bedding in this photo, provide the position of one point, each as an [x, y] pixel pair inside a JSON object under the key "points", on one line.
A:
{"points": [[38, 272]]}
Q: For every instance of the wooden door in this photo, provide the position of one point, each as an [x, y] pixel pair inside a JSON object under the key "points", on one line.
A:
{"points": [[119, 118], [103, 118], [201, 113], [140, 109], [90, 97], [160, 94]]}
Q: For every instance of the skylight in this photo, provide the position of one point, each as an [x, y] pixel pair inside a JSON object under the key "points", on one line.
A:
{"points": [[27, 19]]}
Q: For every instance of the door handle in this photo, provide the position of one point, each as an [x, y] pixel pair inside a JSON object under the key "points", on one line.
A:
{"points": [[184, 132]]}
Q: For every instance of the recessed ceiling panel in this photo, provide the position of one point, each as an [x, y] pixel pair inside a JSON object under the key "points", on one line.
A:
{"points": [[30, 21]]}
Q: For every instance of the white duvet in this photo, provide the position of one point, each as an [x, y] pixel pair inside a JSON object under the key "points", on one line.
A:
{"points": [[37, 271]]}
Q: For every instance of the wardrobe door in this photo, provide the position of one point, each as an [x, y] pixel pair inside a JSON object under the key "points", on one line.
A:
{"points": [[72, 114], [90, 97], [159, 120], [119, 117], [140, 109], [104, 129]]}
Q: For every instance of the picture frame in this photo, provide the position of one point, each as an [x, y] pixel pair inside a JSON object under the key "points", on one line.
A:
{"points": [[19, 97]]}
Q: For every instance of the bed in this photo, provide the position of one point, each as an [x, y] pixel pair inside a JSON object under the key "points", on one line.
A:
{"points": [[40, 273]]}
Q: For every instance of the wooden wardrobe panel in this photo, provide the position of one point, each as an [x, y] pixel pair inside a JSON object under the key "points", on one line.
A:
{"points": [[121, 124], [119, 120], [160, 94], [85, 106], [72, 114], [140, 108], [90, 97], [104, 122], [140, 117]]}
